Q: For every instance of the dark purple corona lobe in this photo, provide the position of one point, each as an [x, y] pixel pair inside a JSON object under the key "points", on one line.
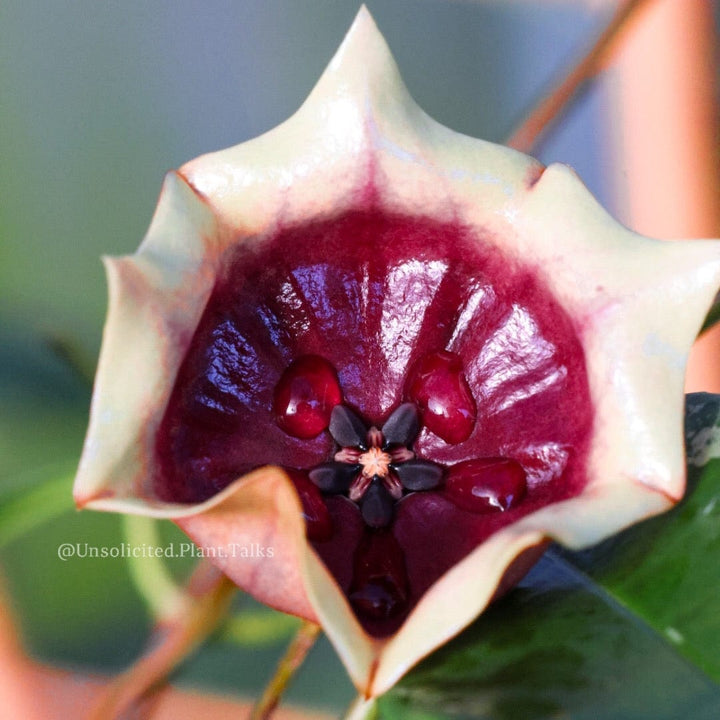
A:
{"points": [[486, 484], [307, 392], [438, 385], [374, 466], [311, 344]]}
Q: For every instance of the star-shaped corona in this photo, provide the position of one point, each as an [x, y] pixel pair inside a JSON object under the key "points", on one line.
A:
{"points": [[374, 467]]}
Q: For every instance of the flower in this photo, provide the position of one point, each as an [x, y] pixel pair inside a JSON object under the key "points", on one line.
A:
{"points": [[362, 266]]}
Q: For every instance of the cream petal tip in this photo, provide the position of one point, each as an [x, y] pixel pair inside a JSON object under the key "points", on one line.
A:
{"points": [[181, 228], [364, 53], [360, 115]]}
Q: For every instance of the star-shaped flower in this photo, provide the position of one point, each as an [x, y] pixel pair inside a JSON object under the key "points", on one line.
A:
{"points": [[543, 344], [374, 466]]}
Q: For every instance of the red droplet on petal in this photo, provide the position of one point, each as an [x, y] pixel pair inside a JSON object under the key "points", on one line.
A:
{"points": [[318, 523], [305, 395], [379, 587], [437, 385], [487, 484]]}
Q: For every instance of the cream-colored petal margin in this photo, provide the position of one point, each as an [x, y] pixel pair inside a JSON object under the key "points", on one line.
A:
{"points": [[637, 313], [313, 164], [155, 300], [359, 132]]}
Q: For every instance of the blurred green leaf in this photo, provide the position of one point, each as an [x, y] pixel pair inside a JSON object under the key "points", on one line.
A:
{"points": [[627, 630], [255, 627], [23, 511], [43, 407], [82, 611]]}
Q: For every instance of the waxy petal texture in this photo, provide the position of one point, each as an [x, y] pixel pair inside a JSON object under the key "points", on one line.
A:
{"points": [[636, 305]]}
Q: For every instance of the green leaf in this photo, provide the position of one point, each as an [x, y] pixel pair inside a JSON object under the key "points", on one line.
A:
{"points": [[81, 611], [43, 406], [23, 511], [627, 630]]}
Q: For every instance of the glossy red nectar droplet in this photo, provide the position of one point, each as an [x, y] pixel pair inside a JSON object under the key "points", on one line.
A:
{"points": [[318, 523], [379, 587], [305, 395], [486, 485], [438, 386]]}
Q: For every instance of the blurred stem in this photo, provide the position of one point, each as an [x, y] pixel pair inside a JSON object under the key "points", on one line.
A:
{"points": [[208, 594], [362, 709], [713, 317], [254, 628], [296, 653], [163, 596], [552, 105], [69, 352], [665, 133]]}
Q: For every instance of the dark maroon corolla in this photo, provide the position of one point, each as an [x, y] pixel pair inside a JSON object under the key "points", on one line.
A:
{"points": [[422, 390]]}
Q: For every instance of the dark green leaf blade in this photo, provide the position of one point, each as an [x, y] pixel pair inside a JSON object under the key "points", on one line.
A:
{"points": [[556, 647]]}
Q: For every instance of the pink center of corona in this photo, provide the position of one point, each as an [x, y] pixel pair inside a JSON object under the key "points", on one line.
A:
{"points": [[375, 462]]}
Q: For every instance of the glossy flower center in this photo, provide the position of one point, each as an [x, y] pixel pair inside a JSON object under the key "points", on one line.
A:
{"points": [[374, 466], [375, 462]]}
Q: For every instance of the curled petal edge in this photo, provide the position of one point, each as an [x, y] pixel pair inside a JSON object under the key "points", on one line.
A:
{"points": [[359, 119]]}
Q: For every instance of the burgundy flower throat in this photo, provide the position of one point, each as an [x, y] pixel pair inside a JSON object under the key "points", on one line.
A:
{"points": [[415, 384]]}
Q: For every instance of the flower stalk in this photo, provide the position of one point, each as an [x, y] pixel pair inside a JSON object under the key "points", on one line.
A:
{"points": [[297, 651], [552, 105], [209, 593]]}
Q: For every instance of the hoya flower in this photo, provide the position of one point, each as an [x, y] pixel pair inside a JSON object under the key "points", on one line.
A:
{"points": [[401, 358]]}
